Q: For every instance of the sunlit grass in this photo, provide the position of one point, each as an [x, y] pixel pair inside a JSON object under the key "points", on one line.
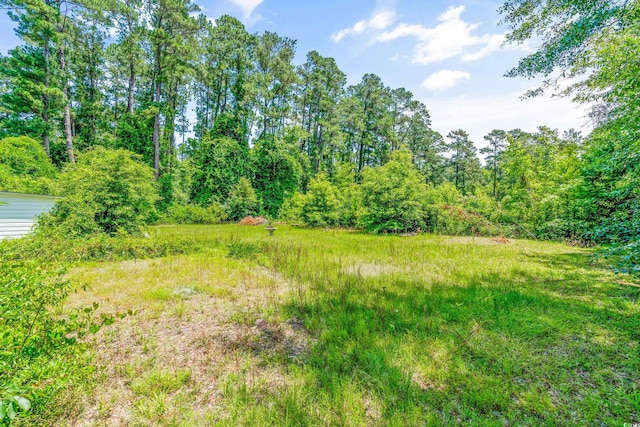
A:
{"points": [[425, 330]]}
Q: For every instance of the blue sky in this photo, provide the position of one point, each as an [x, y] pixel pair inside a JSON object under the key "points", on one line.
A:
{"points": [[448, 53]]}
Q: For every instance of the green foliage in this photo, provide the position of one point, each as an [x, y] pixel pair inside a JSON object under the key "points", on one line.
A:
{"points": [[25, 168], [218, 166], [38, 346], [276, 173], [242, 200], [133, 134], [349, 195], [320, 205], [60, 248], [174, 185], [393, 196], [195, 214], [291, 209], [568, 29], [464, 164], [107, 191]]}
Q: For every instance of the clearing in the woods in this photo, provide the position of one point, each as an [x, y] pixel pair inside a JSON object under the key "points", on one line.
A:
{"points": [[332, 327]]}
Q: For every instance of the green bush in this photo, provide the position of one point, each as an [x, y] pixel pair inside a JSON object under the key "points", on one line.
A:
{"points": [[277, 173], [291, 209], [349, 195], [242, 200], [25, 168], [107, 191], [98, 247], [38, 352], [393, 196], [194, 214], [320, 205]]}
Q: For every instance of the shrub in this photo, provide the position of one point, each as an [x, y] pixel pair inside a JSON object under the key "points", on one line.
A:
{"points": [[277, 173], [242, 200], [194, 214], [349, 195], [320, 204], [98, 247], [437, 219], [38, 355], [107, 191], [393, 196], [25, 168], [319, 207], [291, 209]]}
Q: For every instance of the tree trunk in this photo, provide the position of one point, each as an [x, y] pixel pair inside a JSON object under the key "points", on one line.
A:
{"points": [[132, 84], [45, 101], [156, 119], [67, 109], [156, 134]]}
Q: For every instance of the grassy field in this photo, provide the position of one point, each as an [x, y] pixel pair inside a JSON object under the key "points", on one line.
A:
{"points": [[328, 327]]}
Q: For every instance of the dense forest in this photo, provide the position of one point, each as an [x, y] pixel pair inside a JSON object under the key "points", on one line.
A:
{"points": [[295, 142]]}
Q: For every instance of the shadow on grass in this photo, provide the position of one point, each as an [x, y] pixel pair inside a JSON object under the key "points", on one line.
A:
{"points": [[555, 348]]}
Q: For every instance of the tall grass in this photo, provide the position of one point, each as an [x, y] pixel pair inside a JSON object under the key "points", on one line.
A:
{"points": [[432, 330]]}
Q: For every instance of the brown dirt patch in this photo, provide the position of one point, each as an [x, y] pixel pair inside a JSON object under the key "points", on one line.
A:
{"points": [[501, 239], [371, 270], [213, 338]]}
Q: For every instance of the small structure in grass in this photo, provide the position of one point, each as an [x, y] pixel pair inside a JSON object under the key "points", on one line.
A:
{"points": [[270, 228]]}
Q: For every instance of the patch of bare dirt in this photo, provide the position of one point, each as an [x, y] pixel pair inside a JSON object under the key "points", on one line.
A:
{"points": [[426, 384], [475, 240], [501, 239], [210, 336], [371, 270]]}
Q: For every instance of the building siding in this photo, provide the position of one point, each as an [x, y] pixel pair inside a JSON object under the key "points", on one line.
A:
{"points": [[19, 212]]}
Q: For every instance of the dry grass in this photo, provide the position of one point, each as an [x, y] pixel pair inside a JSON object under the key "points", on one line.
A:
{"points": [[209, 315]]}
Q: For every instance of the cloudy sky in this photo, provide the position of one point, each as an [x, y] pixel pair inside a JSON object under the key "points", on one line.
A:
{"points": [[448, 53]]}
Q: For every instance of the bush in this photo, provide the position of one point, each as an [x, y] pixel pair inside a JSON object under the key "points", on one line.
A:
{"points": [[194, 214], [320, 204], [38, 355], [107, 191], [242, 200], [393, 196], [217, 165], [291, 209], [99, 247], [277, 173], [320, 207], [25, 168], [349, 195]]}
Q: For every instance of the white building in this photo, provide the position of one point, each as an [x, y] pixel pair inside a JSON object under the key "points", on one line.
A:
{"points": [[19, 212]]}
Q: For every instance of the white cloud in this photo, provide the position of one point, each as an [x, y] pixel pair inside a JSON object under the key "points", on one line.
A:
{"points": [[247, 6], [493, 42], [451, 37], [378, 21], [479, 115], [445, 79]]}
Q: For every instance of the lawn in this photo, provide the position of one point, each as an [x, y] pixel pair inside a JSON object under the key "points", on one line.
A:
{"points": [[334, 327]]}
